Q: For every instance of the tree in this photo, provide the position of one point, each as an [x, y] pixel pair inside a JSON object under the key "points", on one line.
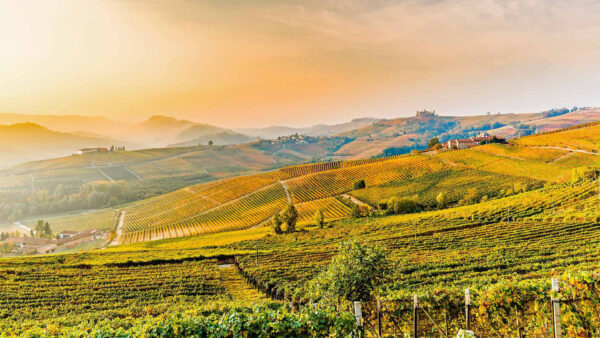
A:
{"points": [[47, 231], [276, 224], [433, 142], [319, 218], [39, 229], [402, 205], [355, 273], [441, 200], [210, 142], [356, 211], [582, 174], [290, 217], [471, 197], [360, 184]]}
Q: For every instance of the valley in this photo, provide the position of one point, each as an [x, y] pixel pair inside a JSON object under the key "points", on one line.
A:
{"points": [[495, 218]]}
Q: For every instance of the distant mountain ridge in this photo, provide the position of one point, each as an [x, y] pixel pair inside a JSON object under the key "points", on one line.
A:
{"points": [[359, 138], [316, 130], [29, 141]]}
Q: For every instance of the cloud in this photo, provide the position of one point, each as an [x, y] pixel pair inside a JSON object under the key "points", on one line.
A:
{"points": [[288, 61]]}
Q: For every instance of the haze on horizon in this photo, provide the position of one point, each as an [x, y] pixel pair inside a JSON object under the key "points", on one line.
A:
{"points": [[250, 64]]}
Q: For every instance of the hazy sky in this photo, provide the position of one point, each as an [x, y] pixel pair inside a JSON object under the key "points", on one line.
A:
{"points": [[255, 63]]}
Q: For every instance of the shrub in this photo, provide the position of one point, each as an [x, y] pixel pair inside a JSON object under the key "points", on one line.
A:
{"points": [[355, 273], [402, 205], [360, 184]]}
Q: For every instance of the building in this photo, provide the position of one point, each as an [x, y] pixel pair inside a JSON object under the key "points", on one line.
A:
{"points": [[67, 233], [425, 113], [76, 240], [91, 150], [31, 245], [471, 142]]}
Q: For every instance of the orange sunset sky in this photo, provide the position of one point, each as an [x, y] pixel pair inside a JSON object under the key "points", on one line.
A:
{"points": [[258, 63]]}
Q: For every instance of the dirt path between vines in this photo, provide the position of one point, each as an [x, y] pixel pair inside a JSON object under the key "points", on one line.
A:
{"points": [[118, 230], [357, 201], [236, 286]]}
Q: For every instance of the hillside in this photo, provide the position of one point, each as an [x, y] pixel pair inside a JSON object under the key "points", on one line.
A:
{"points": [[71, 123], [219, 138], [316, 130], [28, 141], [156, 131], [399, 136], [512, 216]]}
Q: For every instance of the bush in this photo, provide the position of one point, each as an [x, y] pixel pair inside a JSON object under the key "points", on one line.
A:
{"points": [[355, 273], [402, 206], [360, 184]]}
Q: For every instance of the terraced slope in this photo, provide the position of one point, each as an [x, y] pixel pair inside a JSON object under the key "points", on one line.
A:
{"points": [[582, 137], [525, 236], [248, 201]]}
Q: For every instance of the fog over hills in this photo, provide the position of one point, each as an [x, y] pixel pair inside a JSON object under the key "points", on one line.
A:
{"points": [[29, 141]]}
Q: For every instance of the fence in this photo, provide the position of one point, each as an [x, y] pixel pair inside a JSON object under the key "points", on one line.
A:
{"points": [[572, 311]]}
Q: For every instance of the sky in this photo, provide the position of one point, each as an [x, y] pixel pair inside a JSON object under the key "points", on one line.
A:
{"points": [[242, 63]]}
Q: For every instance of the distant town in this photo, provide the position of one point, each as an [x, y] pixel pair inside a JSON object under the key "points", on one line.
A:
{"points": [[17, 244]]}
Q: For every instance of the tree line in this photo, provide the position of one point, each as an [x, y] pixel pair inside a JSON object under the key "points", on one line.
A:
{"points": [[15, 205]]}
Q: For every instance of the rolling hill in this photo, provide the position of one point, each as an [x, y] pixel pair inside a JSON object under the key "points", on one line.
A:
{"points": [[28, 141], [316, 130], [513, 216], [156, 131]]}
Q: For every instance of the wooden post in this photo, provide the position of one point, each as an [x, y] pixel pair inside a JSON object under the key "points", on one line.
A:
{"points": [[415, 319], [467, 309], [379, 317], [415, 223], [555, 310], [358, 316]]}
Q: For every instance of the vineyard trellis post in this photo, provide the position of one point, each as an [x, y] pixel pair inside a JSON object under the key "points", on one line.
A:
{"points": [[358, 316], [415, 315], [415, 224], [467, 309], [378, 317], [555, 310]]}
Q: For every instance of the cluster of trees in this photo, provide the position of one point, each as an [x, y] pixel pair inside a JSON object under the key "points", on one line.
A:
{"points": [[484, 127], [583, 174], [399, 205], [360, 184], [6, 247], [15, 205], [285, 221], [42, 230], [404, 205]]}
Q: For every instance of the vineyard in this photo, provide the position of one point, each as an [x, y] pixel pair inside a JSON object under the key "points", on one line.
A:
{"points": [[502, 164], [496, 247], [580, 137], [101, 220], [527, 221], [246, 201], [453, 183]]}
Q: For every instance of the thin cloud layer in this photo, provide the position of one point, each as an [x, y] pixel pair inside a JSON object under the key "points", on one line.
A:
{"points": [[245, 63]]}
